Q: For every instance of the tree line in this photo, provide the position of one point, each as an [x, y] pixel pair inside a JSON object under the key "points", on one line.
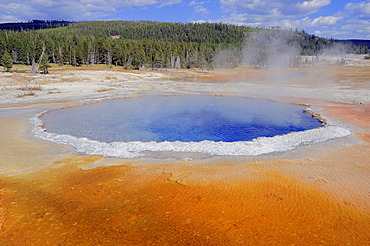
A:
{"points": [[33, 25], [144, 44]]}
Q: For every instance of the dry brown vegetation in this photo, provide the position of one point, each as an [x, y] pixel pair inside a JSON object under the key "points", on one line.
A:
{"points": [[26, 94], [30, 88], [105, 90]]}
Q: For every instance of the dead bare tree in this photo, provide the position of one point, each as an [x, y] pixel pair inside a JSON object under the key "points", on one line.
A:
{"points": [[36, 65]]}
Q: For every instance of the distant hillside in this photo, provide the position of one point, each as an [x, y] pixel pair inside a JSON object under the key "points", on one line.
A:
{"points": [[214, 33], [33, 25], [161, 31], [362, 42]]}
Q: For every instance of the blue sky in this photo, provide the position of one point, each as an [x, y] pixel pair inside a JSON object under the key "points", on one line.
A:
{"points": [[340, 19]]}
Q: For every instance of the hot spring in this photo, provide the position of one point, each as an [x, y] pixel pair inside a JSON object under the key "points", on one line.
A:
{"points": [[208, 124]]}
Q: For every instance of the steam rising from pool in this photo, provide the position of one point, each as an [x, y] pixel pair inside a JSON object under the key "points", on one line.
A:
{"points": [[213, 125]]}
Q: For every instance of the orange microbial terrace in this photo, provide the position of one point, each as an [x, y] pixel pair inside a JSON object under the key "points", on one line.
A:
{"points": [[315, 194], [219, 204]]}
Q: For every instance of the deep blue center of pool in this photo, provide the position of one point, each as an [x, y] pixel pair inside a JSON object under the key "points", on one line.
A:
{"points": [[180, 118]]}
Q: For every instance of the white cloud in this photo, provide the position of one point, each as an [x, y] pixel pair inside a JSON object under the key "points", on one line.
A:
{"points": [[352, 21], [200, 21], [313, 4], [234, 19], [357, 26], [276, 13], [331, 33], [21, 10], [362, 8], [325, 20], [193, 3], [288, 8], [16, 11], [357, 19], [169, 3], [306, 22], [199, 9]]}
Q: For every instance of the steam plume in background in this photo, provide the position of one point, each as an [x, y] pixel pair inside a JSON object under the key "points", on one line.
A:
{"points": [[289, 64], [271, 49], [279, 49], [227, 58], [275, 52]]}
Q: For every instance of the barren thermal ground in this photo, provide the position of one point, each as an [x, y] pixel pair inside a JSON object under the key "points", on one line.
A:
{"points": [[315, 194]]}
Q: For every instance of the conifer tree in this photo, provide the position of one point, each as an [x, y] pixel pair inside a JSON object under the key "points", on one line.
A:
{"points": [[6, 61]]}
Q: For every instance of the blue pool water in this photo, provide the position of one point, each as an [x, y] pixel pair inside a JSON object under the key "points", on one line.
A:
{"points": [[180, 118]]}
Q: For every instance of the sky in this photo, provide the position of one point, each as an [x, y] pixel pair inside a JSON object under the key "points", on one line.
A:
{"points": [[338, 19]]}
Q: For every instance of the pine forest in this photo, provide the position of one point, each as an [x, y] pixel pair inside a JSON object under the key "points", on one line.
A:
{"points": [[145, 44]]}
